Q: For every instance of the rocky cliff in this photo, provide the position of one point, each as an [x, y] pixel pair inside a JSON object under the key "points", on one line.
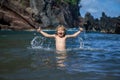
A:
{"points": [[104, 24], [53, 12], [29, 14]]}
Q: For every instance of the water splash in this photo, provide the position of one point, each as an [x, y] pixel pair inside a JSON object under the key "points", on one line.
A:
{"points": [[43, 43], [81, 42], [37, 42], [40, 42]]}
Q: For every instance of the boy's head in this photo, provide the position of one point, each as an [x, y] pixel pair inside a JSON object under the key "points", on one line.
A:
{"points": [[61, 31]]}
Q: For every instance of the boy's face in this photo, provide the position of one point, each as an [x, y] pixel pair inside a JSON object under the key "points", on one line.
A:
{"points": [[61, 32]]}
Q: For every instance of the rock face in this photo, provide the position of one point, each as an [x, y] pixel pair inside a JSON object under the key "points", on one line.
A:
{"points": [[104, 24], [53, 12], [13, 16], [29, 14]]}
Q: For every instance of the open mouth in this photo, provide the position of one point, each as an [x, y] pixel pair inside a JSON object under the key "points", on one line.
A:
{"points": [[60, 33]]}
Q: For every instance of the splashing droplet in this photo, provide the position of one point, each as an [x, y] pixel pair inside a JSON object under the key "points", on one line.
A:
{"points": [[81, 43]]}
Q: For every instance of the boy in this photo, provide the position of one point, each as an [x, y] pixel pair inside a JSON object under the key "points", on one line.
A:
{"points": [[60, 36]]}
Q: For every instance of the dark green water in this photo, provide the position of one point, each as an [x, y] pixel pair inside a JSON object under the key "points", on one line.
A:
{"points": [[22, 57]]}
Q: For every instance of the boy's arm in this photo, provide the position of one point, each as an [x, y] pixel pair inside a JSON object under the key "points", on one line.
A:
{"points": [[44, 33], [75, 34]]}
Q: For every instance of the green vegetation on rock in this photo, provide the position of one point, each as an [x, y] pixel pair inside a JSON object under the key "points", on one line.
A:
{"points": [[73, 2]]}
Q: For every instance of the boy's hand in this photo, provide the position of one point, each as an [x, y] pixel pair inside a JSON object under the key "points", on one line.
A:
{"points": [[81, 29], [39, 29]]}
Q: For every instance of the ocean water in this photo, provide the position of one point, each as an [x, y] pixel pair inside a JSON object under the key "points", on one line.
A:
{"points": [[26, 55]]}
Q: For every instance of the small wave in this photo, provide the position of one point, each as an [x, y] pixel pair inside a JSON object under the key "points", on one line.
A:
{"points": [[86, 49], [40, 48]]}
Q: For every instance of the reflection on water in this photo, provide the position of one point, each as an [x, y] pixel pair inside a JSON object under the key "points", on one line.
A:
{"points": [[60, 58], [48, 59], [41, 59]]}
